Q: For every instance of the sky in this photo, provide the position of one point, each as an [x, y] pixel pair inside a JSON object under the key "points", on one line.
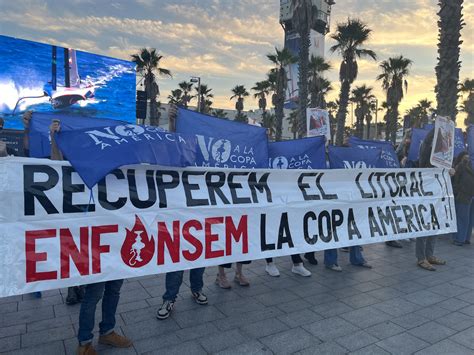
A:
{"points": [[225, 42]]}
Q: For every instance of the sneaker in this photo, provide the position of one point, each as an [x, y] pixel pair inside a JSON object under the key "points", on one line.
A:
{"points": [[311, 258], [241, 280], [165, 310], [436, 261], [199, 297], [334, 267], [394, 244], [366, 265], [115, 340], [87, 349], [272, 270], [222, 282], [299, 269], [345, 250]]}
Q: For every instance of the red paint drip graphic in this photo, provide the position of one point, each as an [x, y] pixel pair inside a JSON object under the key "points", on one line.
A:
{"points": [[137, 249]]}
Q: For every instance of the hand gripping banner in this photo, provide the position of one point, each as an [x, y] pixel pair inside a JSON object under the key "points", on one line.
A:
{"points": [[144, 219]]}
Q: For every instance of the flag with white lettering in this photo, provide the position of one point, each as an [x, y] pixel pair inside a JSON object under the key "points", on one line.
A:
{"points": [[417, 137], [388, 156], [223, 143], [39, 140], [95, 152], [306, 153], [470, 142], [459, 145], [354, 157]]}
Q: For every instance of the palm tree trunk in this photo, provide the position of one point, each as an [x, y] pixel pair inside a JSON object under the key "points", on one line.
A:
{"points": [[342, 111], [447, 71], [303, 81]]}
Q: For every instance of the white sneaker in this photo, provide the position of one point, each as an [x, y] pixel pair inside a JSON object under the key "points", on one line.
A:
{"points": [[272, 270], [300, 270]]}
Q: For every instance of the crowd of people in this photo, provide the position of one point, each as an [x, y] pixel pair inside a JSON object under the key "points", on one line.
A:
{"points": [[109, 292]]}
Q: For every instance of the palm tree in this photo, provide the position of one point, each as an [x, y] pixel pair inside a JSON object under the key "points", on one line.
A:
{"points": [[148, 64], [239, 93], [220, 113], [268, 122], [186, 88], [206, 97], [449, 46], [393, 77], [294, 122], [281, 59], [350, 37], [361, 96], [304, 14], [176, 97], [262, 89], [467, 87], [318, 86], [425, 109]]}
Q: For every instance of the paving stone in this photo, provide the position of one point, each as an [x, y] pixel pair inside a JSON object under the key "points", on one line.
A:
{"points": [[198, 315], [150, 328], [53, 348], [327, 348], [331, 309], [289, 341], [424, 298], [291, 306], [197, 331], [409, 321], [469, 311], [385, 293], [12, 330], [189, 347], [361, 300], [47, 335], [356, 340], [132, 306], [272, 298], [330, 328], [467, 297], [40, 302], [249, 348], [396, 307], [367, 286], [63, 321], [365, 317], [222, 340], [8, 307], [401, 344], [238, 306], [299, 318], [155, 343], [449, 290], [447, 347], [27, 316], [246, 318], [433, 312], [456, 321], [453, 304], [384, 330], [371, 350], [465, 338], [10, 343], [432, 332], [264, 327]]}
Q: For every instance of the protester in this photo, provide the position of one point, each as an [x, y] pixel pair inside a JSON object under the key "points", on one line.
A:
{"points": [[297, 268], [425, 245], [463, 186], [221, 279], [4, 150], [108, 291], [173, 283]]}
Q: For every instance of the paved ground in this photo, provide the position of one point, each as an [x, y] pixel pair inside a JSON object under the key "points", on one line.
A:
{"points": [[395, 308]]}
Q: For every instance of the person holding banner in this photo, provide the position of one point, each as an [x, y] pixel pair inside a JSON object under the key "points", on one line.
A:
{"points": [[424, 248], [108, 292], [463, 186], [221, 279], [173, 283]]}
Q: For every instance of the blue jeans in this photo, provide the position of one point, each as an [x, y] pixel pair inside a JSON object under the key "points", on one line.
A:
{"points": [[330, 257], [355, 256], [109, 292], [175, 279], [463, 221]]}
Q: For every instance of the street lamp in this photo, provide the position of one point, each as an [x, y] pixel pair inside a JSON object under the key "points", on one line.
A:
{"points": [[376, 113], [197, 79]]}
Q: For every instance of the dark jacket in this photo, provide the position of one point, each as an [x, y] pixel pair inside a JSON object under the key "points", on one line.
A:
{"points": [[425, 151], [463, 183]]}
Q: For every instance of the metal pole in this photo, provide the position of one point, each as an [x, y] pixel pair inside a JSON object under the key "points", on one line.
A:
{"points": [[376, 112], [199, 94]]}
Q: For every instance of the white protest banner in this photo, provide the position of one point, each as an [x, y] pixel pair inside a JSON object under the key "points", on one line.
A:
{"points": [[442, 153], [143, 219], [317, 123]]}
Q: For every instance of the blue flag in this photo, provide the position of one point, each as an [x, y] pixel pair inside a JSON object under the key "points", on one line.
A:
{"points": [[459, 145], [306, 153], [470, 143], [94, 152], [223, 143], [417, 137], [355, 158], [388, 156], [40, 144]]}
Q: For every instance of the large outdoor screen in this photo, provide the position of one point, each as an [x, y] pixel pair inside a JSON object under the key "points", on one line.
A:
{"points": [[46, 78]]}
